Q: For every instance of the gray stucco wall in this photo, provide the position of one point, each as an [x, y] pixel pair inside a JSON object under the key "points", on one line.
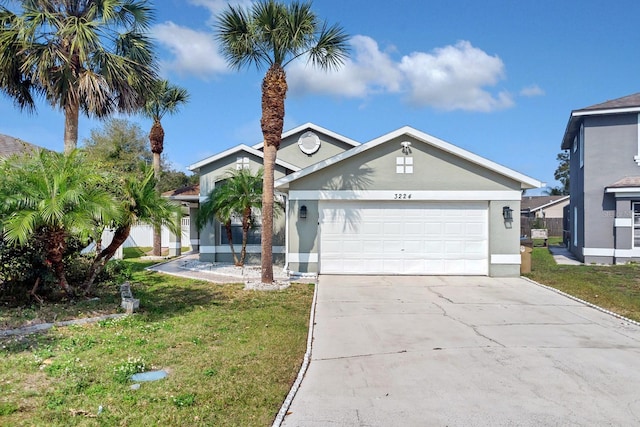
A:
{"points": [[434, 169], [329, 147], [610, 144]]}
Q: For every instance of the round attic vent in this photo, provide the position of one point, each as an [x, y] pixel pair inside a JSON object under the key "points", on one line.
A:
{"points": [[309, 142]]}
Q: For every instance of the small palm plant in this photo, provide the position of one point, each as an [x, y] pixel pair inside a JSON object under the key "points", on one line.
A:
{"points": [[137, 201], [55, 197], [235, 197]]}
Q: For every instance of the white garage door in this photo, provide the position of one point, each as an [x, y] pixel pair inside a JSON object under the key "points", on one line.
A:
{"points": [[410, 237]]}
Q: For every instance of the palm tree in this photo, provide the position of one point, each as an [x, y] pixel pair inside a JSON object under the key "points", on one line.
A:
{"points": [[56, 197], [138, 201], [81, 56], [272, 34], [236, 196], [164, 98]]}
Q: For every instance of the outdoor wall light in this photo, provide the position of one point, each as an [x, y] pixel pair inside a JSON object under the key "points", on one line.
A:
{"points": [[507, 213], [303, 212], [406, 147]]}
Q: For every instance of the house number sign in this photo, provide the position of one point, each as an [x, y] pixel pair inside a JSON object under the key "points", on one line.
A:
{"points": [[401, 196]]}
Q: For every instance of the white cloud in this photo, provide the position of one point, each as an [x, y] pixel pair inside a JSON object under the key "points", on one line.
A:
{"points": [[454, 77], [533, 90], [217, 6], [369, 71], [194, 52]]}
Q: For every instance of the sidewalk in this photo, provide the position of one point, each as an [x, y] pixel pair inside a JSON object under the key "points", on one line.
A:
{"points": [[563, 256]]}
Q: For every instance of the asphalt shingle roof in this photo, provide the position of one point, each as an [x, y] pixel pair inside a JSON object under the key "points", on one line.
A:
{"points": [[10, 146], [628, 101]]}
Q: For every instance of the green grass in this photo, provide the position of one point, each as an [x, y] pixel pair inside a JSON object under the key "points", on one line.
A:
{"points": [[231, 355], [614, 287], [137, 252]]}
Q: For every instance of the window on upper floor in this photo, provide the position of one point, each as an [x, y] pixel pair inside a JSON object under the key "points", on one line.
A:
{"points": [[581, 145], [636, 225], [242, 163]]}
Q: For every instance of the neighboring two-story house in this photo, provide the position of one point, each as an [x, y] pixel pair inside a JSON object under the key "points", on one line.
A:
{"points": [[403, 203], [604, 213]]}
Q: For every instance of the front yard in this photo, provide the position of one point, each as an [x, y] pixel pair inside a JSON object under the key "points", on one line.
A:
{"points": [[615, 287], [231, 355]]}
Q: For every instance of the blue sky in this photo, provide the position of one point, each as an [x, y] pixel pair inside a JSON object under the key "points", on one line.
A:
{"points": [[496, 77]]}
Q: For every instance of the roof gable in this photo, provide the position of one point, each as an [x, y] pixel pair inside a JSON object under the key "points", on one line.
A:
{"points": [[534, 203], [314, 127], [526, 182], [233, 151], [624, 105]]}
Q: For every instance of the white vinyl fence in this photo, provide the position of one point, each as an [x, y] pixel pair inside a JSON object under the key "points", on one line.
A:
{"points": [[141, 235]]}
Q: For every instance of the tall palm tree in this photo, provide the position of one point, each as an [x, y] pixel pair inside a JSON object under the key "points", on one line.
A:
{"points": [[272, 34], [138, 201], [86, 56], [237, 196], [56, 197], [163, 99]]}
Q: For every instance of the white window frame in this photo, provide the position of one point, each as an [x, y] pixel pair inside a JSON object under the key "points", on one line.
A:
{"points": [[637, 157], [404, 164], [242, 163], [635, 224], [581, 145], [575, 226]]}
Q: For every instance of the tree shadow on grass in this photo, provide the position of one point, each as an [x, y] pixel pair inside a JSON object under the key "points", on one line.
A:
{"points": [[161, 297]]}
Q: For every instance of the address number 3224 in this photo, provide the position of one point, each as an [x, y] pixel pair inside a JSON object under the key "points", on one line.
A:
{"points": [[401, 196]]}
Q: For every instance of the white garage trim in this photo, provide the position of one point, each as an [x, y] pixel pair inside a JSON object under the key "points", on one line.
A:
{"points": [[303, 257], [598, 251], [251, 249], [404, 195], [505, 259], [404, 237]]}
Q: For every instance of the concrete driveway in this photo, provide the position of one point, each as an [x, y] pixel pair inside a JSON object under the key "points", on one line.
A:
{"points": [[464, 351]]}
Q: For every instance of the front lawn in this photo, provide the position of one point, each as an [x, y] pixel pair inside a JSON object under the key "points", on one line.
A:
{"points": [[231, 355], [614, 287]]}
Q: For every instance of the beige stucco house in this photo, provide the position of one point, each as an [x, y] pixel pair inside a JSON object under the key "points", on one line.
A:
{"points": [[403, 203]]}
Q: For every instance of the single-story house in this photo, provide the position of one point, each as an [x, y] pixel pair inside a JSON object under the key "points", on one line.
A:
{"points": [[543, 206], [403, 203], [10, 146]]}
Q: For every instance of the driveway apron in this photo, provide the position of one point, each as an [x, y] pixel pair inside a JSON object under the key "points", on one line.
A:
{"points": [[464, 351]]}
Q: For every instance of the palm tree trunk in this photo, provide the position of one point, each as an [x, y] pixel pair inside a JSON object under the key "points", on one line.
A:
{"points": [[274, 92], [156, 140], [157, 230], [227, 228], [71, 114], [103, 257], [246, 215], [55, 248]]}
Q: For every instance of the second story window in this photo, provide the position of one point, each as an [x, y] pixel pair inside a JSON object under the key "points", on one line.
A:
{"points": [[242, 163]]}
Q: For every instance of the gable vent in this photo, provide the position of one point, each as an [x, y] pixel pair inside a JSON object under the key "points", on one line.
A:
{"points": [[309, 142]]}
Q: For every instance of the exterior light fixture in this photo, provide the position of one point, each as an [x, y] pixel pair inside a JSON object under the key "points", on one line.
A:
{"points": [[303, 212], [406, 147], [507, 213]]}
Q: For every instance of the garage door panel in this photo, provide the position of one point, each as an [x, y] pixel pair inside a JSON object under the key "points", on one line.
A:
{"points": [[403, 238]]}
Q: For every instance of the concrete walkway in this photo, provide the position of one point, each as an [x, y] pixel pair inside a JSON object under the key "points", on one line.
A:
{"points": [[563, 256], [458, 351]]}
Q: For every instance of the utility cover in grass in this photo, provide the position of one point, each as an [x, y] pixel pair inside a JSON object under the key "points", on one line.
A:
{"points": [[149, 376]]}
